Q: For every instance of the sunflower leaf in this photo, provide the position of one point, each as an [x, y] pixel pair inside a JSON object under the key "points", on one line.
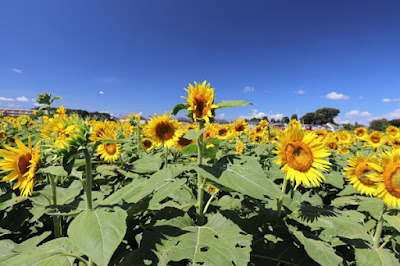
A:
{"points": [[105, 141], [377, 256], [178, 107], [194, 134], [232, 103]]}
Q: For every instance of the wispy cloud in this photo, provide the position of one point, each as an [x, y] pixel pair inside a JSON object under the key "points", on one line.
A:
{"points": [[299, 92], [257, 114], [220, 116], [248, 89], [37, 104], [336, 96], [357, 113], [387, 100], [22, 99], [101, 92], [6, 99], [395, 114], [16, 70]]}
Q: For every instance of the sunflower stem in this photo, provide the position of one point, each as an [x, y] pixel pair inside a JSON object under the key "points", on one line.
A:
{"points": [[166, 157], [138, 140], [200, 183], [56, 219], [292, 189], [208, 203], [89, 180], [280, 200], [379, 226]]}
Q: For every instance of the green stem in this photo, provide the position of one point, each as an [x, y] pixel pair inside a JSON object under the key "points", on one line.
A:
{"points": [[292, 189], [280, 200], [138, 140], [89, 180], [166, 157], [190, 192], [208, 203], [379, 227], [56, 219], [269, 134], [200, 183]]}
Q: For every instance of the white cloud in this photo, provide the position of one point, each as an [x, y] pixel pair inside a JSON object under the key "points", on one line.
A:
{"points": [[6, 99], [101, 92], [248, 89], [357, 113], [220, 116], [12, 105], [336, 96], [22, 99], [299, 92], [16, 70], [392, 115], [256, 114], [37, 104], [386, 100]]}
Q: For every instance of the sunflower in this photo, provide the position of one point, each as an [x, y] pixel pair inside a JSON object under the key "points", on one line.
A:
{"points": [[201, 99], [344, 137], [223, 132], [361, 133], [209, 133], [258, 129], [109, 152], [321, 134], [294, 123], [59, 132], [103, 130], [22, 162], [331, 143], [147, 144], [60, 113], [359, 166], [264, 123], [163, 130], [301, 155], [239, 147], [23, 120], [240, 126], [392, 131], [182, 142], [395, 143], [343, 148], [376, 139], [389, 179], [3, 135]]}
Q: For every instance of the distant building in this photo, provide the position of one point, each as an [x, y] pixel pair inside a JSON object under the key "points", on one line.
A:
{"points": [[221, 121], [126, 118], [184, 121], [16, 112], [279, 126]]}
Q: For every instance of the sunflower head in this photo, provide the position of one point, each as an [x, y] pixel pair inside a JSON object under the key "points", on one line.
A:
{"points": [[182, 141], [239, 147], [23, 120], [240, 126], [147, 144], [392, 131], [22, 162], [109, 152], [3, 135], [300, 155], [361, 132], [163, 130], [200, 100], [344, 137], [321, 134]]}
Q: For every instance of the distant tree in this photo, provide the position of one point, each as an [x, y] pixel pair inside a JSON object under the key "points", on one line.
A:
{"points": [[308, 118], [285, 120], [379, 124], [348, 126], [294, 117], [265, 118], [356, 125], [395, 122], [325, 115], [273, 120]]}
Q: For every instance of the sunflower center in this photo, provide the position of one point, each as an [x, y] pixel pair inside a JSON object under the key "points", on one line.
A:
{"points": [[222, 132], [165, 131], [343, 137], [360, 133], [147, 144], [391, 179], [184, 142], [361, 169], [239, 128], [24, 163], [111, 148], [200, 107], [375, 139], [299, 156]]}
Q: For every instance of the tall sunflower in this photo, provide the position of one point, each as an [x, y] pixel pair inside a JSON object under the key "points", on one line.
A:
{"points": [[109, 152], [163, 130], [22, 162], [301, 155], [389, 179], [359, 166], [201, 99]]}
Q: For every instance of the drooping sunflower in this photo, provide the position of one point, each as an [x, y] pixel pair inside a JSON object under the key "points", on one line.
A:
{"points": [[201, 99], [23, 163], [392, 131], [163, 130], [359, 166], [147, 144], [109, 152], [388, 187], [301, 155], [361, 133]]}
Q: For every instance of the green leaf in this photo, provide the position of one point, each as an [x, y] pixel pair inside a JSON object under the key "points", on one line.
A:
{"points": [[392, 220], [319, 251], [148, 164], [218, 242], [335, 179], [243, 174], [375, 257], [59, 251], [104, 141], [54, 170], [178, 107], [346, 201], [99, 232], [231, 103], [371, 205], [56, 98], [12, 201], [190, 149], [194, 134]]}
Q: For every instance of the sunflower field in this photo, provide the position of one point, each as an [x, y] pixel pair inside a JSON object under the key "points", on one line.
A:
{"points": [[84, 192]]}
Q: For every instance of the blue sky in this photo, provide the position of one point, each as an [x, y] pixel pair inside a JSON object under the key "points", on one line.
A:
{"points": [[137, 56]]}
